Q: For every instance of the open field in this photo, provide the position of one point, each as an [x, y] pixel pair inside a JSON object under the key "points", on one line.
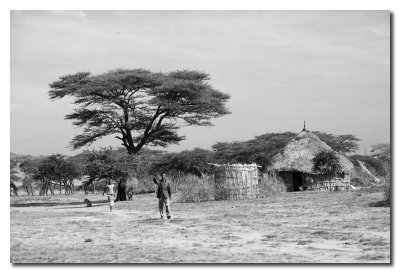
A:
{"points": [[302, 227]]}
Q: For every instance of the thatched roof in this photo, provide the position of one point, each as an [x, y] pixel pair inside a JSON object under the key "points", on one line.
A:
{"points": [[299, 153]]}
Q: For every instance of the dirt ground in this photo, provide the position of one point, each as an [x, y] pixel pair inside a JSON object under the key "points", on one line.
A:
{"points": [[303, 227]]}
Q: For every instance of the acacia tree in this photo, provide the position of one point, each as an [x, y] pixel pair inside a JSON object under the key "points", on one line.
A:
{"points": [[63, 171], [139, 106]]}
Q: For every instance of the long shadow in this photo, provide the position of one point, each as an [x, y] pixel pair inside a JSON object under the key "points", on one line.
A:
{"points": [[384, 203], [54, 204], [83, 206], [151, 221]]}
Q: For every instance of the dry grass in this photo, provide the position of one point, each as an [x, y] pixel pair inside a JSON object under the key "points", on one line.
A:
{"points": [[193, 189], [291, 228], [270, 185]]}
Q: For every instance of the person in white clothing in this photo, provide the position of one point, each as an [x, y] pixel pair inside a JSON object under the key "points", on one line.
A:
{"points": [[110, 194]]}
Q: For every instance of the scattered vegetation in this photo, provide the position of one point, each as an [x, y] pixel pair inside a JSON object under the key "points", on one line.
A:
{"points": [[194, 189], [270, 184]]}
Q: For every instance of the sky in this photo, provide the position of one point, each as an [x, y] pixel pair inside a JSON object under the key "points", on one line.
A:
{"points": [[329, 68]]}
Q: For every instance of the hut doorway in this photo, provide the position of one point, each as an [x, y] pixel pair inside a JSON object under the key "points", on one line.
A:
{"points": [[297, 181]]}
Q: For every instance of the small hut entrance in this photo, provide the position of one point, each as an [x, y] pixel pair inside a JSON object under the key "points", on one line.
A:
{"points": [[297, 181]]}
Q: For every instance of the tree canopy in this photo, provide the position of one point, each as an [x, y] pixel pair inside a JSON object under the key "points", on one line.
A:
{"points": [[340, 143], [140, 107], [186, 162]]}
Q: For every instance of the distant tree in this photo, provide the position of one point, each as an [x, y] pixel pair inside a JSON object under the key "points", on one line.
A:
{"points": [[97, 165], [13, 174], [340, 143], [186, 162], [139, 106], [29, 168], [62, 171], [52, 171], [326, 162]]}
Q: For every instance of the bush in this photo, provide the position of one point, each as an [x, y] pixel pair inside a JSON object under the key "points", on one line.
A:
{"points": [[194, 189], [327, 162], [145, 185], [270, 185]]}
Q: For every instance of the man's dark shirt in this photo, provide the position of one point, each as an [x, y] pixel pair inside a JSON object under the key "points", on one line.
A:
{"points": [[163, 188]]}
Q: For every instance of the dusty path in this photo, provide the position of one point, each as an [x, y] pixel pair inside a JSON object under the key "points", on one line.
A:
{"points": [[306, 227]]}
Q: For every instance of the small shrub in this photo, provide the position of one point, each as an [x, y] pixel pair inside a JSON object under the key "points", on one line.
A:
{"points": [[195, 189], [145, 185]]}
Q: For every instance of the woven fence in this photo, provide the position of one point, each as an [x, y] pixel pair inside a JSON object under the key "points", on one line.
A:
{"points": [[236, 181]]}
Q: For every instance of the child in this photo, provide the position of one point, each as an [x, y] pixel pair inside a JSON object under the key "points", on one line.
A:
{"points": [[130, 193], [110, 194], [163, 195]]}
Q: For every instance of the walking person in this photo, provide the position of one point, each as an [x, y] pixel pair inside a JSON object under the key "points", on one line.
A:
{"points": [[163, 195], [110, 194]]}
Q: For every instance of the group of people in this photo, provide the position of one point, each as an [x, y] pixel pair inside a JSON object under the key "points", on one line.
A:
{"points": [[163, 194]]}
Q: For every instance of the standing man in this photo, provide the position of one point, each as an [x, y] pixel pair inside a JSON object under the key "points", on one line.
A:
{"points": [[163, 195], [110, 194]]}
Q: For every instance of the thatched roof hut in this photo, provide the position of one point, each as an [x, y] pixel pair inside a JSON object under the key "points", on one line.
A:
{"points": [[295, 162], [299, 153]]}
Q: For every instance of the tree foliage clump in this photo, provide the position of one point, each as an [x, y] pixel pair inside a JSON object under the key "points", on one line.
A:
{"points": [[340, 143], [140, 107], [326, 162], [45, 173]]}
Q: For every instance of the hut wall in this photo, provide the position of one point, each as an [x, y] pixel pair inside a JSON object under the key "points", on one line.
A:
{"points": [[236, 181], [317, 182], [327, 182]]}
